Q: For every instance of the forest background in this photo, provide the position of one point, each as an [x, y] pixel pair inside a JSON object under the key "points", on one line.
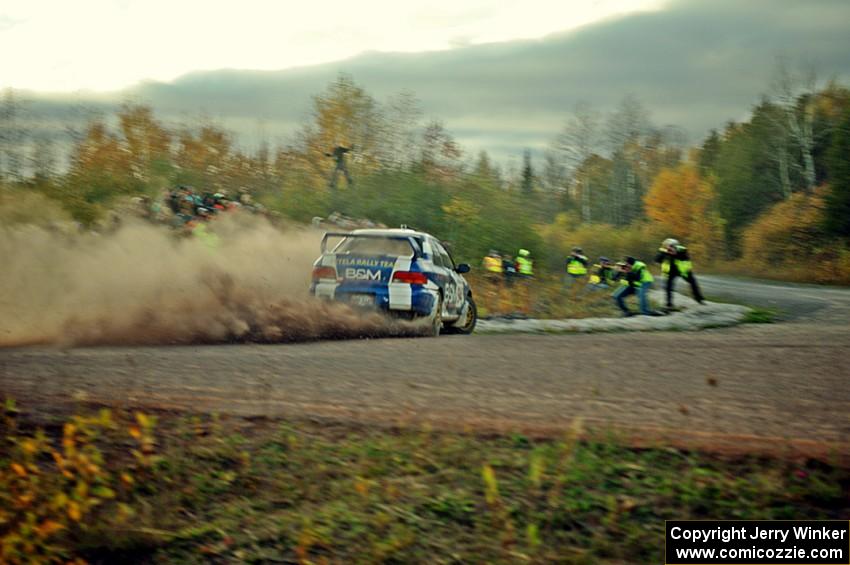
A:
{"points": [[769, 196]]}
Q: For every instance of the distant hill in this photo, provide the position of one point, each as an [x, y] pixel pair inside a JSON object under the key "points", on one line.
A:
{"points": [[695, 65]]}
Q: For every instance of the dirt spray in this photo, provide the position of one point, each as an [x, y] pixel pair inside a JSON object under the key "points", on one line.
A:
{"points": [[142, 285]]}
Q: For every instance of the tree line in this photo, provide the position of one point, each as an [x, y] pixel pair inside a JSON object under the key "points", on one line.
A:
{"points": [[771, 190]]}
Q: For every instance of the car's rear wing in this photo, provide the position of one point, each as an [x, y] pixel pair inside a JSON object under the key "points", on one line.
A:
{"points": [[414, 244]]}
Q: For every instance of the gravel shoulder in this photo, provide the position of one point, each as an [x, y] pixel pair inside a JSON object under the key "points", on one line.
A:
{"points": [[767, 388]]}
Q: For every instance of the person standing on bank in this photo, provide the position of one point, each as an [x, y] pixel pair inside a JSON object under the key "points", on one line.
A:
{"points": [[576, 266], [675, 262]]}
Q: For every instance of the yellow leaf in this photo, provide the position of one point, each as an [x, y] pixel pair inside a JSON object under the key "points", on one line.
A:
{"points": [[361, 486], [135, 432], [535, 469], [74, 512], [60, 461], [491, 486], [69, 430], [19, 470], [48, 527], [105, 417], [143, 420]]}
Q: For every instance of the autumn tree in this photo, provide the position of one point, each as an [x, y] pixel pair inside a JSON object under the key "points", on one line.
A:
{"points": [[203, 157], [681, 202], [97, 173], [147, 144], [440, 154], [401, 131], [344, 115]]}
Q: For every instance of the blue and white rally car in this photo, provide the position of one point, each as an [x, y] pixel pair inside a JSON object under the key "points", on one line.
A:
{"points": [[403, 272]]}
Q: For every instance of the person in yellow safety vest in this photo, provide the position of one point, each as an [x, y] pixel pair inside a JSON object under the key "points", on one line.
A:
{"points": [[638, 280], [675, 262], [603, 274], [525, 273], [493, 276], [202, 233], [493, 263], [524, 263], [576, 265]]}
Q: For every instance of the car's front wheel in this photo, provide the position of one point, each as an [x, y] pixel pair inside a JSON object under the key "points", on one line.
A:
{"points": [[466, 324]]}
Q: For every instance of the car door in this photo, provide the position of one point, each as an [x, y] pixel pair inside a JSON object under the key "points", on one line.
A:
{"points": [[453, 288]]}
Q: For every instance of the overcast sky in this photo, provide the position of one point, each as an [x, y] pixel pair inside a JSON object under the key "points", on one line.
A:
{"points": [[66, 45], [503, 76]]}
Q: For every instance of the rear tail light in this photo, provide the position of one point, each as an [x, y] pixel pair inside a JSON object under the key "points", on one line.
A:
{"points": [[324, 273], [409, 277]]}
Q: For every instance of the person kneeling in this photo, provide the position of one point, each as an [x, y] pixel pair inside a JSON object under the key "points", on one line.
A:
{"points": [[636, 279]]}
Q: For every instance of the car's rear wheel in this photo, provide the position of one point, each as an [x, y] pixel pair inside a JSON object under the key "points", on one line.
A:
{"points": [[466, 324]]}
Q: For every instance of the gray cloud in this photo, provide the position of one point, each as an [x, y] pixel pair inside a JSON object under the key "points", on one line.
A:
{"points": [[695, 64]]}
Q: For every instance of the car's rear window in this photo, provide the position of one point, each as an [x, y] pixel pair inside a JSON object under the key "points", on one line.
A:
{"points": [[394, 247]]}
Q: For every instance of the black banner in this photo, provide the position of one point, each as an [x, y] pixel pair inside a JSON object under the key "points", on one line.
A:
{"points": [[757, 542]]}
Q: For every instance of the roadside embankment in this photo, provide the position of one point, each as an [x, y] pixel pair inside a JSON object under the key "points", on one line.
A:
{"points": [[693, 316]]}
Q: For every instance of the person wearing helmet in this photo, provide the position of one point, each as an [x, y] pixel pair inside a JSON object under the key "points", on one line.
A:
{"points": [[635, 279], [524, 263], [493, 263], [604, 275], [525, 272], [576, 266], [676, 262]]}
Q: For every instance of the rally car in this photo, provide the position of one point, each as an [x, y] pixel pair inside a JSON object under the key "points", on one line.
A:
{"points": [[402, 272]]}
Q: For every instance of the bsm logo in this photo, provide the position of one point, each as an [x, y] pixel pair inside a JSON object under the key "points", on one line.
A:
{"points": [[362, 274]]}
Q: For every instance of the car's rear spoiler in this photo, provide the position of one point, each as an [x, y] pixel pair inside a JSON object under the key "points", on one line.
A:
{"points": [[417, 251]]}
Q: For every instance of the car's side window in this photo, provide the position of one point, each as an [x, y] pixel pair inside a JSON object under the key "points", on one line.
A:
{"points": [[435, 253], [450, 262], [427, 249], [444, 260]]}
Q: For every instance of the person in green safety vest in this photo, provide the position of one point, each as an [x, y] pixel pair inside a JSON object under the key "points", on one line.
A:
{"points": [[604, 275], [202, 233], [576, 266], [524, 263], [675, 262], [636, 279], [525, 273]]}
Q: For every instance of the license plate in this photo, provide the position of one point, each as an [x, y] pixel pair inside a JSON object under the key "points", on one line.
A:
{"points": [[362, 299]]}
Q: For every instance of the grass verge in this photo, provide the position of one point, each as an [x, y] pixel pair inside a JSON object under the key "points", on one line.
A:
{"points": [[545, 298], [760, 316], [188, 489]]}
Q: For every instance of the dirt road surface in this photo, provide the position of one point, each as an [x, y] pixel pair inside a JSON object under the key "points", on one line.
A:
{"points": [[771, 388]]}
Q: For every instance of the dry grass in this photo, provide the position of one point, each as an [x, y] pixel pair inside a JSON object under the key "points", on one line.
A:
{"points": [[209, 489]]}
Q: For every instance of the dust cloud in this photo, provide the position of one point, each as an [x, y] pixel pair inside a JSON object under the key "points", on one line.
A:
{"points": [[142, 286]]}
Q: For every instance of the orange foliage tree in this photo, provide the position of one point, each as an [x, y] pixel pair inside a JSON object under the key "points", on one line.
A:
{"points": [[681, 202], [788, 241]]}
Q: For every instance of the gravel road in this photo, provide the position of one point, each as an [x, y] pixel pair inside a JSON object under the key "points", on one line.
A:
{"points": [[763, 388]]}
